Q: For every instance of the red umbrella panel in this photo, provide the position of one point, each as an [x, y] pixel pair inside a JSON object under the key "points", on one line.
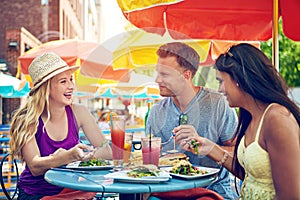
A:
{"points": [[217, 19]]}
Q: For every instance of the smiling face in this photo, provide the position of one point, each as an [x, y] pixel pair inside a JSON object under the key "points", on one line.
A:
{"points": [[62, 87], [229, 88], [169, 77]]}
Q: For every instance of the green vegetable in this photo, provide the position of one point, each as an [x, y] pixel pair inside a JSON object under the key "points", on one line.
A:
{"points": [[187, 170], [184, 167], [142, 172], [195, 145], [94, 162]]}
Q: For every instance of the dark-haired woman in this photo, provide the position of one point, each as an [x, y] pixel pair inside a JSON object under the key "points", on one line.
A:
{"points": [[267, 152]]}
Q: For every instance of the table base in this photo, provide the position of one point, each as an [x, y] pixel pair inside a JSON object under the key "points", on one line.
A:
{"points": [[131, 196]]}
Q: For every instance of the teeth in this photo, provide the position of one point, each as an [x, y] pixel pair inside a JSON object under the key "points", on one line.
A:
{"points": [[68, 94]]}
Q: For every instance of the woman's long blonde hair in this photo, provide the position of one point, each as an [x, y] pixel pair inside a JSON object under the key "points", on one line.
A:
{"points": [[26, 119]]}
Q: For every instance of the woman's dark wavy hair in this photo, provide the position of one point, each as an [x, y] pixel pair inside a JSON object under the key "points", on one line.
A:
{"points": [[255, 74]]}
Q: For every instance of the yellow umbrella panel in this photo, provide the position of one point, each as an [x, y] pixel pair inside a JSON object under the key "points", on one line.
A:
{"points": [[137, 48], [142, 4], [131, 50]]}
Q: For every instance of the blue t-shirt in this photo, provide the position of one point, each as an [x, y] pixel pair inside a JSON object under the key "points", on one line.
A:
{"points": [[36, 185], [210, 115]]}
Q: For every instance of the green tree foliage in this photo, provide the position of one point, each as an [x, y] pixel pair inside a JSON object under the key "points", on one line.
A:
{"points": [[289, 58]]}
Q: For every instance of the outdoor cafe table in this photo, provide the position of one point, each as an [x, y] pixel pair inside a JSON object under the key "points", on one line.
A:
{"points": [[95, 182]]}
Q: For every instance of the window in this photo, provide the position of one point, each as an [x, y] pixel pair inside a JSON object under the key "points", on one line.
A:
{"points": [[44, 2]]}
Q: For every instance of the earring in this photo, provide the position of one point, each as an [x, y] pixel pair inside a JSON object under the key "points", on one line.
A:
{"points": [[237, 84], [187, 74]]}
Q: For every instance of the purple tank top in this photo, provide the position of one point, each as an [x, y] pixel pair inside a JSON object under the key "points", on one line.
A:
{"points": [[36, 185]]}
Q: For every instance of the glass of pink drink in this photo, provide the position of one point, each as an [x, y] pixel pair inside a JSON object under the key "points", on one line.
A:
{"points": [[151, 150], [117, 132]]}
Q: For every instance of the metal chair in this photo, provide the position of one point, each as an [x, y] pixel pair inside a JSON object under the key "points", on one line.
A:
{"points": [[9, 177], [103, 196]]}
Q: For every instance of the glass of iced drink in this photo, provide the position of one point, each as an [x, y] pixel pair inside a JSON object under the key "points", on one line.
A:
{"points": [[127, 146], [151, 150], [117, 131]]}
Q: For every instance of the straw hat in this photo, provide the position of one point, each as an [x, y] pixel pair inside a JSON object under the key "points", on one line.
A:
{"points": [[44, 67]]}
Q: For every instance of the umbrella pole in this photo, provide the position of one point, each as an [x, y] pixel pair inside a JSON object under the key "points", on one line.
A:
{"points": [[275, 43]]}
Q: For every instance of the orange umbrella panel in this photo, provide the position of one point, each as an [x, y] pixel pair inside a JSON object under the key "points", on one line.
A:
{"points": [[68, 50], [72, 51]]}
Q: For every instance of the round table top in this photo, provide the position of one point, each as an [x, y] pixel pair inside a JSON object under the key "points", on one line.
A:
{"points": [[94, 181]]}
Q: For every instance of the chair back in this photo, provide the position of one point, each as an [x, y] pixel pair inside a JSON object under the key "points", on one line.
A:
{"points": [[9, 176]]}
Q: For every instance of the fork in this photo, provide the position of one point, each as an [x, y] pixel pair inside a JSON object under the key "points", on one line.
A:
{"points": [[169, 140]]}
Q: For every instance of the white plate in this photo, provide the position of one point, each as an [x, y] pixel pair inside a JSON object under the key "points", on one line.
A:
{"points": [[123, 177], [75, 165], [211, 171]]}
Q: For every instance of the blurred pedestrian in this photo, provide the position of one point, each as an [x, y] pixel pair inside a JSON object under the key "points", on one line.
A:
{"points": [[103, 122]]}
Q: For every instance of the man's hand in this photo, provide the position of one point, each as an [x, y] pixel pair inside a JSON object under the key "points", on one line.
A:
{"points": [[183, 134]]}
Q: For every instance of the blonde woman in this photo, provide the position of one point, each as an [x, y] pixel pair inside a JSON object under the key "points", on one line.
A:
{"points": [[44, 132]]}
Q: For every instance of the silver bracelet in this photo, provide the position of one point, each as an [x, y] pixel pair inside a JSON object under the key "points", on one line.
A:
{"points": [[223, 160]]}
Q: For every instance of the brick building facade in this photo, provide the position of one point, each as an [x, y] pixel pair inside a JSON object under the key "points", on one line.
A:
{"points": [[26, 24]]}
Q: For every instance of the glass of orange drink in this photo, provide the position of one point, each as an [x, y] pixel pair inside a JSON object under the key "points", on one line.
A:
{"points": [[127, 146]]}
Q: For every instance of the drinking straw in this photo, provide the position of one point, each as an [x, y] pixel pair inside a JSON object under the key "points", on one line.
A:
{"points": [[150, 140], [111, 121]]}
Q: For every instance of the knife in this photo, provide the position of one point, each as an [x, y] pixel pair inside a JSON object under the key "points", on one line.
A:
{"points": [[70, 170]]}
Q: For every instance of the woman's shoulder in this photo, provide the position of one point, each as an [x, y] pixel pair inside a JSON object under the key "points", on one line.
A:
{"points": [[78, 109], [278, 118], [278, 112], [82, 114]]}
